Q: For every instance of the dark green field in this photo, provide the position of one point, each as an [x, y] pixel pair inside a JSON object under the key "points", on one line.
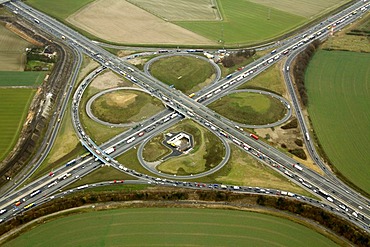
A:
{"points": [[13, 111], [245, 22], [249, 108], [187, 74], [21, 78], [113, 108], [60, 9], [338, 85], [171, 227]]}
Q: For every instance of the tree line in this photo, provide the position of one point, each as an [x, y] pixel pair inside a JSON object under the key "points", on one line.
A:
{"points": [[299, 68], [317, 214]]}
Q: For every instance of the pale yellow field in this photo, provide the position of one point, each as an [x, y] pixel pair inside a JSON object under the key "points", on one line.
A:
{"points": [[12, 51], [305, 8], [122, 22], [180, 10]]}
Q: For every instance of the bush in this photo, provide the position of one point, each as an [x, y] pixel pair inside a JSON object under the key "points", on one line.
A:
{"points": [[236, 58], [299, 142], [299, 152], [291, 125]]}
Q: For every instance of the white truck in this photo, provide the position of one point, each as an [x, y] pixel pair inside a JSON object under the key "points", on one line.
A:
{"points": [[110, 150], [130, 140]]}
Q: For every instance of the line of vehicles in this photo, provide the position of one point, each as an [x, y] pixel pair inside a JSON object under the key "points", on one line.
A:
{"points": [[236, 139]]}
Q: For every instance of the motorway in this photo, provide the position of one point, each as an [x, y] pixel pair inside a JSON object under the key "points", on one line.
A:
{"points": [[54, 124], [348, 203]]}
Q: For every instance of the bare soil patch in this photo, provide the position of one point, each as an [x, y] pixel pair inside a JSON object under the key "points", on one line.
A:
{"points": [[121, 100], [109, 80], [122, 22]]}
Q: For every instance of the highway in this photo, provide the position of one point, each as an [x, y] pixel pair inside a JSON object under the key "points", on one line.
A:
{"points": [[200, 113], [53, 128]]}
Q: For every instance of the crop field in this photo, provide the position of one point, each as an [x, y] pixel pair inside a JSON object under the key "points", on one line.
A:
{"points": [[125, 106], [338, 86], [21, 78], [12, 51], [180, 10], [244, 23], [305, 8], [135, 25], [60, 9], [207, 152], [187, 74], [171, 227], [249, 108], [186, 22], [13, 111]]}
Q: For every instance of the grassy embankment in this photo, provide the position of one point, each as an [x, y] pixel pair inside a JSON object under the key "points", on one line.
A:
{"points": [[125, 106], [249, 108], [187, 74]]}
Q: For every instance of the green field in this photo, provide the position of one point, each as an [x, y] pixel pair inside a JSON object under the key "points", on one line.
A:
{"points": [[171, 227], [12, 51], [338, 92], [13, 111], [187, 74], [305, 8], [60, 9], [21, 78], [249, 108], [244, 23], [125, 106]]}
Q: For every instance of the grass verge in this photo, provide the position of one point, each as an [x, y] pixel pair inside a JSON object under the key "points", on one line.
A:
{"points": [[184, 72], [249, 108]]}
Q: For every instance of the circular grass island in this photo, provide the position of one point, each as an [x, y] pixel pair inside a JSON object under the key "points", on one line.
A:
{"points": [[125, 106], [187, 73], [170, 227], [208, 151], [250, 108]]}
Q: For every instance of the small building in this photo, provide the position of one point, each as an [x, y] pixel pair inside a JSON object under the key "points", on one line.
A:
{"points": [[181, 142]]}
